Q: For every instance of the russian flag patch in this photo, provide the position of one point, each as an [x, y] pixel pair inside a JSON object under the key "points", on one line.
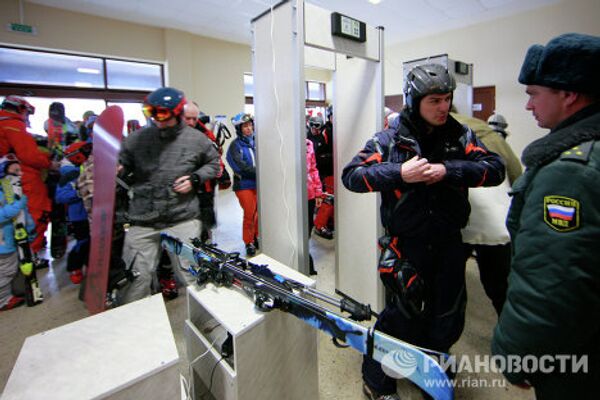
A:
{"points": [[561, 213]]}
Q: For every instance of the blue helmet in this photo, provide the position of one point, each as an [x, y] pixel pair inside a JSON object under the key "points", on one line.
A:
{"points": [[164, 103], [240, 119], [5, 162]]}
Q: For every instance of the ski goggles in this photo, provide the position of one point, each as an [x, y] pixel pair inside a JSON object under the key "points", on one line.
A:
{"points": [[157, 113]]}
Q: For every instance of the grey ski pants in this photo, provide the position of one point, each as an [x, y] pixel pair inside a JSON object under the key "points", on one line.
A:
{"points": [[9, 267], [142, 247]]}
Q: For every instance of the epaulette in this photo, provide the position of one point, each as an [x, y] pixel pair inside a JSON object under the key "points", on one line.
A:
{"points": [[580, 153]]}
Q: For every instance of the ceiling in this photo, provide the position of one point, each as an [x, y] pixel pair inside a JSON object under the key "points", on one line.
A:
{"points": [[230, 19]]}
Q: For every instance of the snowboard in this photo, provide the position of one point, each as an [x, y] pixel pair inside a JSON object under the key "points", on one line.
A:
{"points": [[58, 218], [11, 185], [108, 132]]}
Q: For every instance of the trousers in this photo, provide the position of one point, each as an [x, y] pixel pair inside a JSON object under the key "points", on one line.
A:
{"points": [[441, 264], [142, 249]]}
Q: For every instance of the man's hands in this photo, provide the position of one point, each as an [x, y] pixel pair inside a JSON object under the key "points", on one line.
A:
{"points": [[420, 170], [183, 184]]}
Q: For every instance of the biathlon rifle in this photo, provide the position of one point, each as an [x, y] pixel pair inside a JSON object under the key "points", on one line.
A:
{"points": [[270, 291]]}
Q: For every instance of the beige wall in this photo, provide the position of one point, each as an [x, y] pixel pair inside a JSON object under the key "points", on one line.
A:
{"points": [[208, 71], [69, 31], [497, 49], [211, 71]]}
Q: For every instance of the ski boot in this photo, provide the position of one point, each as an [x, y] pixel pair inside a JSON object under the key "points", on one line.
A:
{"points": [[168, 285], [40, 263], [76, 276], [13, 302], [373, 395], [250, 249], [324, 232]]}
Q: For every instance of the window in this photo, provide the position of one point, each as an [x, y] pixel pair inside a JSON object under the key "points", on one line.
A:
{"points": [[19, 67], [81, 83], [315, 91], [38, 68], [248, 85], [133, 75]]}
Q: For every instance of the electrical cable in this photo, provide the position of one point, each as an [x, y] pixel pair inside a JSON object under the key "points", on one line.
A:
{"points": [[189, 386], [212, 373]]}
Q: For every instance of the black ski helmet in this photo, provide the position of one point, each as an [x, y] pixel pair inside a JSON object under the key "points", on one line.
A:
{"points": [[164, 103], [316, 121], [56, 111], [426, 79]]}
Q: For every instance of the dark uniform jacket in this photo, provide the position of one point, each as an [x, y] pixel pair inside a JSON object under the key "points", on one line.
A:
{"points": [[553, 299], [415, 208]]}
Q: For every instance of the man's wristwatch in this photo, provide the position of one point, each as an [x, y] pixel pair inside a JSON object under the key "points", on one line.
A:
{"points": [[195, 179]]}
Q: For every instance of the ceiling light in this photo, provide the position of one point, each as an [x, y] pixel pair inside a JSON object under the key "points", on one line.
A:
{"points": [[374, 1], [88, 70]]}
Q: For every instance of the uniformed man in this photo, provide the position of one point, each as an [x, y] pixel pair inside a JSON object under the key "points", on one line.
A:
{"points": [[552, 310]]}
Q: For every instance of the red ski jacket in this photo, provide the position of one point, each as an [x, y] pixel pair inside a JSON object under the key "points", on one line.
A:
{"points": [[14, 138]]}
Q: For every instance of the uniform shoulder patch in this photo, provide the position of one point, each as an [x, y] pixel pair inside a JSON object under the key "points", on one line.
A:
{"points": [[580, 153], [561, 213]]}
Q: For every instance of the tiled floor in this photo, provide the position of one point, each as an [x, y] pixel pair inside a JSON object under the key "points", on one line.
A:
{"points": [[339, 369]]}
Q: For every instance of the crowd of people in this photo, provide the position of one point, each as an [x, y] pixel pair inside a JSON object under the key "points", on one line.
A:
{"points": [[444, 180]]}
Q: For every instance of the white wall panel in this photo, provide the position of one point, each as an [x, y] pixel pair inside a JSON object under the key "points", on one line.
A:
{"points": [[357, 116]]}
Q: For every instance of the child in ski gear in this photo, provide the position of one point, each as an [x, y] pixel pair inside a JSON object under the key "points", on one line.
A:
{"points": [[241, 156], [9, 260], [166, 165], [66, 193], [422, 169], [552, 305]]}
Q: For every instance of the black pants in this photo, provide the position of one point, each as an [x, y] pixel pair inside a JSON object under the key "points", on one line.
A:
{"points": [[80, 252], [442, 266], [311, 224], [494, 266]]}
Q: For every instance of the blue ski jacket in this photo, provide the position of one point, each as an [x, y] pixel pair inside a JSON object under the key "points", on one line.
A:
{"points": [[7, 230], [241, 156], [66, 193]]}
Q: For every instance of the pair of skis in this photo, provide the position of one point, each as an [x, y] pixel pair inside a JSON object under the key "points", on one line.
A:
{"points": [[271, 291], [11, 185]]}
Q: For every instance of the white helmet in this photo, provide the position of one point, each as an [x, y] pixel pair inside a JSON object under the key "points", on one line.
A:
{"points": [[497, 120]]}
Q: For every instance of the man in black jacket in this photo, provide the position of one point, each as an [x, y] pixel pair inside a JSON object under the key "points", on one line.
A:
{"points": [[422, 170]]}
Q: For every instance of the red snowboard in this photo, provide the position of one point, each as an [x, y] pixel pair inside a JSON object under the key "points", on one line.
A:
{"points": [[108, 132]]}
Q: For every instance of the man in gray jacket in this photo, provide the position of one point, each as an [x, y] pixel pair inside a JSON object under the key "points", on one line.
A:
{"points": [[165, 165]]}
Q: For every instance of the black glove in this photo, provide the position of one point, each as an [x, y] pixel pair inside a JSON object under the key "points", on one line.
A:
{"points": [[400, 277]]}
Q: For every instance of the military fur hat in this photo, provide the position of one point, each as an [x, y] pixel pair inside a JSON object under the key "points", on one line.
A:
{"points": [[568, 62]]}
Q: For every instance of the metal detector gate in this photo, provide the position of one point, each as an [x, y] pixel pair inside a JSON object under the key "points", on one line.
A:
{"points": [[286, 37]]}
